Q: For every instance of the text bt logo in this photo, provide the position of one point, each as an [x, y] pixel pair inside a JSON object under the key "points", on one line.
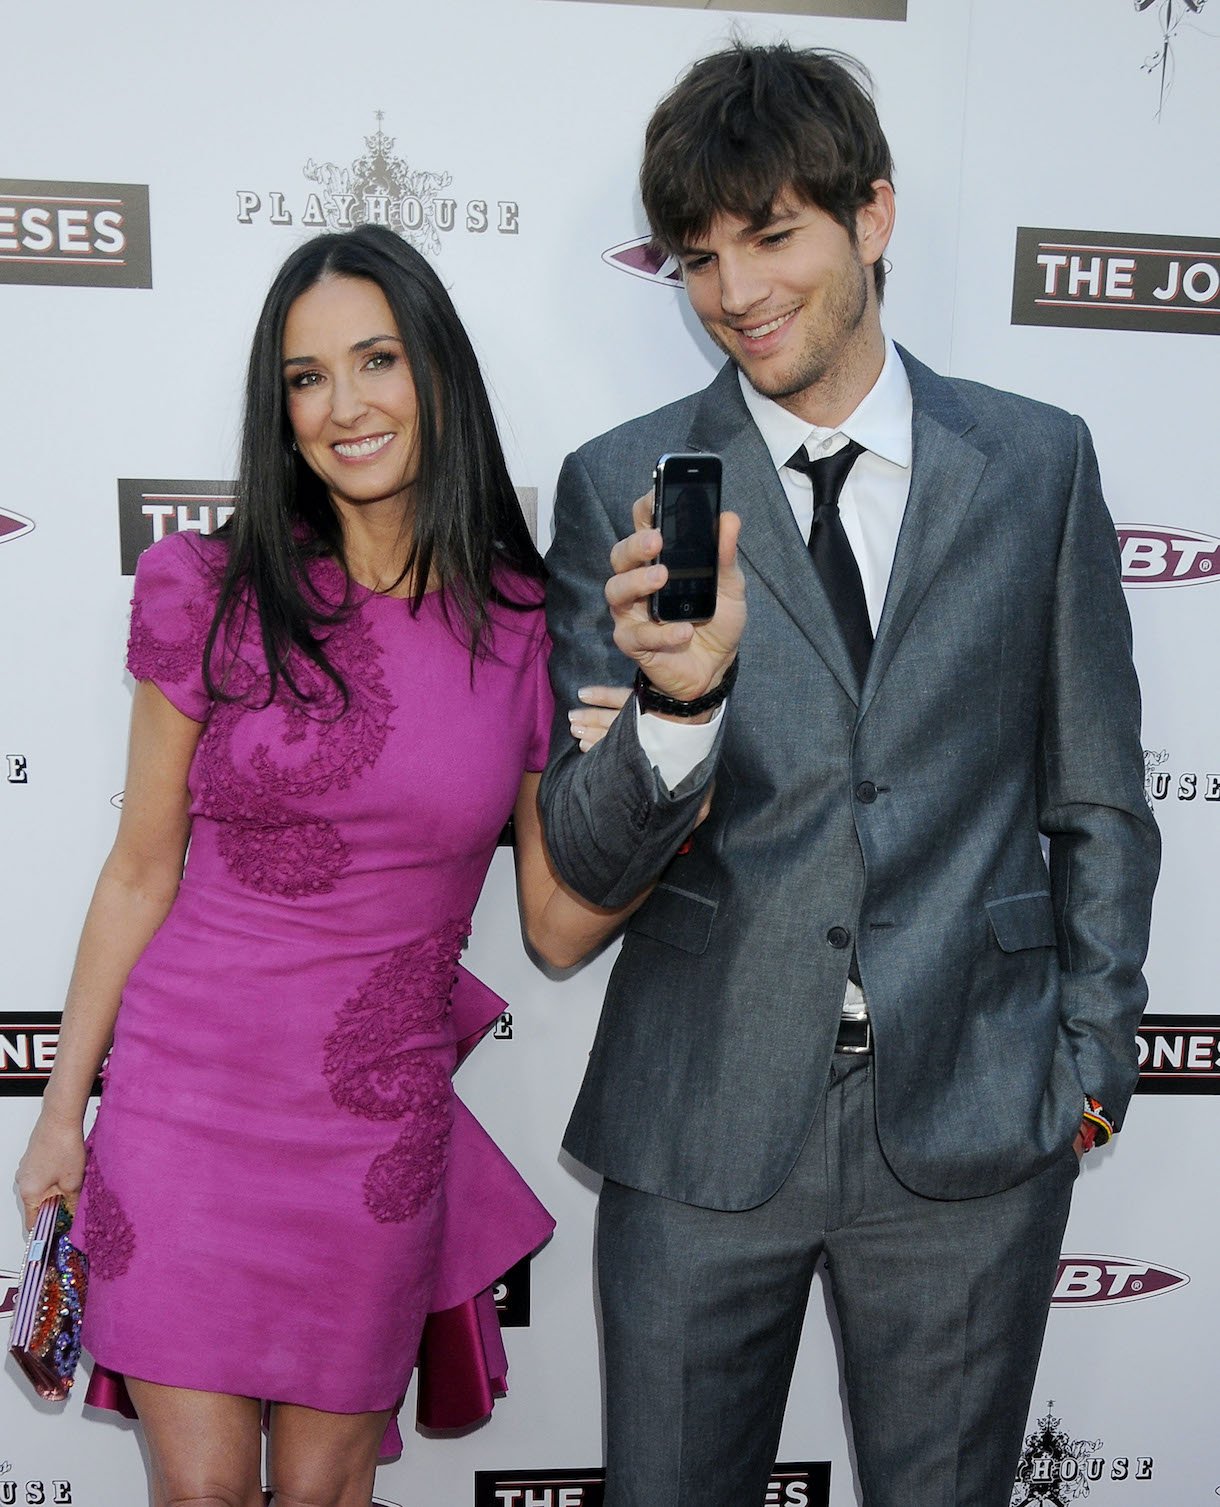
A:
{"points": [[1153, 555], [1087, 1281]]}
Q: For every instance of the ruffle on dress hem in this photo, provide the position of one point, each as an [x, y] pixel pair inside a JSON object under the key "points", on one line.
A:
{"points": [[462, 1371], [474, 1010], [461, 1360]]}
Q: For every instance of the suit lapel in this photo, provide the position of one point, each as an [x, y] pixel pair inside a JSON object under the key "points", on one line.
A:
{"points": [[770, 540], [945, 473]]}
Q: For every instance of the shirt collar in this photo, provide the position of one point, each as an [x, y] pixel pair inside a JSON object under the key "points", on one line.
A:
{"points": [[881, 421]]}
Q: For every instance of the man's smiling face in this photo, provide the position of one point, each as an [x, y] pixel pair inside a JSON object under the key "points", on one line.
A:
{"points": [[791, 302]]}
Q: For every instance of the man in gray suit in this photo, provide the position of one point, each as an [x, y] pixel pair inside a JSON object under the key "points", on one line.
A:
{"points": [[858, 1015]]}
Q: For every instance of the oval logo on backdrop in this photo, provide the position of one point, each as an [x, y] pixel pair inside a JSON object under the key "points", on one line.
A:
{"points": [[639, 258], [9, 1283], [13, 525], [1087, 1281], [1159, 556]]}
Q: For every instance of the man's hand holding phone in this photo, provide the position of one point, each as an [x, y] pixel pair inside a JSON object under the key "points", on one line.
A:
{"points": [[683, 660]]}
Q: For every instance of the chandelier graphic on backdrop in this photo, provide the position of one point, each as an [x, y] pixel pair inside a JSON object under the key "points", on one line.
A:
{"points": [[385, 189], [1171, 14]]}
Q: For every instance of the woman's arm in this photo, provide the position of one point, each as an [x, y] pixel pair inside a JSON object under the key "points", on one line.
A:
{"points": [[559, 925], [134, 892]]}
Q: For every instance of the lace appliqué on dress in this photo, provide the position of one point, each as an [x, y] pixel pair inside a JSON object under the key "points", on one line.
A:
{"points": [[175, 660], [374, 1074], [109, 1237], [268, 845]]}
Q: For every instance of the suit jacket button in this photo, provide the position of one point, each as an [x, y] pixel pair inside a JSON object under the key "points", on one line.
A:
{"points": [[838, 936], [866, 791]]}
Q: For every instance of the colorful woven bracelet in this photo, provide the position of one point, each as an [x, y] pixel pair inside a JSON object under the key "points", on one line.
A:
{"points": [[1094, 1120]]}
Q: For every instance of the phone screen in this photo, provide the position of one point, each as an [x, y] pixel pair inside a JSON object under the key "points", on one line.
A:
{"points": [[687, 511]]}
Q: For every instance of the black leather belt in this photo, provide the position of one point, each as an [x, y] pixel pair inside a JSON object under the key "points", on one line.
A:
{"points": [[854, 1035]]}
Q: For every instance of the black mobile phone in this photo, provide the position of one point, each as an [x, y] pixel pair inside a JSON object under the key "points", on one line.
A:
{"points": [[686, 509]]}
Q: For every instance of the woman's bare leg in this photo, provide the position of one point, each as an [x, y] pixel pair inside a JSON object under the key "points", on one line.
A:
{"points": [[205, 1448], [323, 1459]]}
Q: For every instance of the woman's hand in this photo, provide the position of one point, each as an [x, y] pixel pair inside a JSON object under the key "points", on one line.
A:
{"points": [[600, 705], [54, 1162]]}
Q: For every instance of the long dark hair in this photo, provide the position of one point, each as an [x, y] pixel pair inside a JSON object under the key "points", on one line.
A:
{"points": [[466, 519]]}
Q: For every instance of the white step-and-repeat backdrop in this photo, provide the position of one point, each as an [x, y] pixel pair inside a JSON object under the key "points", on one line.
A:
{"points": [[1057, 212]]}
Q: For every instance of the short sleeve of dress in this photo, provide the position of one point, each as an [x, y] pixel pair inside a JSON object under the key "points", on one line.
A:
{"points": [[171, 611]]}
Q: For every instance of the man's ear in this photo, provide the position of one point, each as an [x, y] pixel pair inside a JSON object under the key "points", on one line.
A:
{"points": [[875, 222]]}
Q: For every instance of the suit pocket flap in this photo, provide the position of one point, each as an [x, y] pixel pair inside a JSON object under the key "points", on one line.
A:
{"points": [[677, 916], [1021, 921]]}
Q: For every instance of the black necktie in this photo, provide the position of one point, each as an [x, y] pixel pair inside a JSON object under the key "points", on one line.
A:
{"points": [[832, 552], [836, 564]]}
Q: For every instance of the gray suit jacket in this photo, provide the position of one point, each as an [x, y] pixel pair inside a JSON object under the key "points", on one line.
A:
{"points": [[1000, 706]]}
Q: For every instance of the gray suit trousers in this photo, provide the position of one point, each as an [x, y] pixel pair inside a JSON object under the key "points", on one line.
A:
{"points": [[941, 1306]]}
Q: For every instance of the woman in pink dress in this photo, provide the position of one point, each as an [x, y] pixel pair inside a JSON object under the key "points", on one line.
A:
{"points": [[340, 701]]}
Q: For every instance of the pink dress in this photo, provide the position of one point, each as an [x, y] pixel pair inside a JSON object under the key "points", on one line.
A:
{"points": [[281, 1184]]}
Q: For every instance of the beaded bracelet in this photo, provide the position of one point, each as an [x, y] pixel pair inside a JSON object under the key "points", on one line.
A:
{"points": [[1095, 1128], [652, 700]]}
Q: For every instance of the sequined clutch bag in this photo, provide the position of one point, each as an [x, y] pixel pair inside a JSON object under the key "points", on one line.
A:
{"points": [[50, 1304]]}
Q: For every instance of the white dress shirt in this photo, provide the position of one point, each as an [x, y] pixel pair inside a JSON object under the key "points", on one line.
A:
{"points": [[871, 505]]}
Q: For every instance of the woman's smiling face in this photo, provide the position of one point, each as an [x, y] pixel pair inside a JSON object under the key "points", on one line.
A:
{"points": [[350, 393]]}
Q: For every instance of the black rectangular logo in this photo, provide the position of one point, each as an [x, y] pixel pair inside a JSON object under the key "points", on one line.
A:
{"points": [[512, 1296], [1110, 280], [28, 1042], [801, 1484], [74, 235], [148, 510], [1179, 1054]]}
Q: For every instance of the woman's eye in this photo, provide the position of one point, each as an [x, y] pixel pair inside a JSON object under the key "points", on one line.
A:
{"points": [[379, 360], [305, 379]]}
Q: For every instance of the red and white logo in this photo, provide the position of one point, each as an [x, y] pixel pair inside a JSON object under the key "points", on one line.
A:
{"points": [[1088, 1281], [1161, 556], [640, 258], [13, 525], [1178, 1054], [803, 1483], [9, 1283]]}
